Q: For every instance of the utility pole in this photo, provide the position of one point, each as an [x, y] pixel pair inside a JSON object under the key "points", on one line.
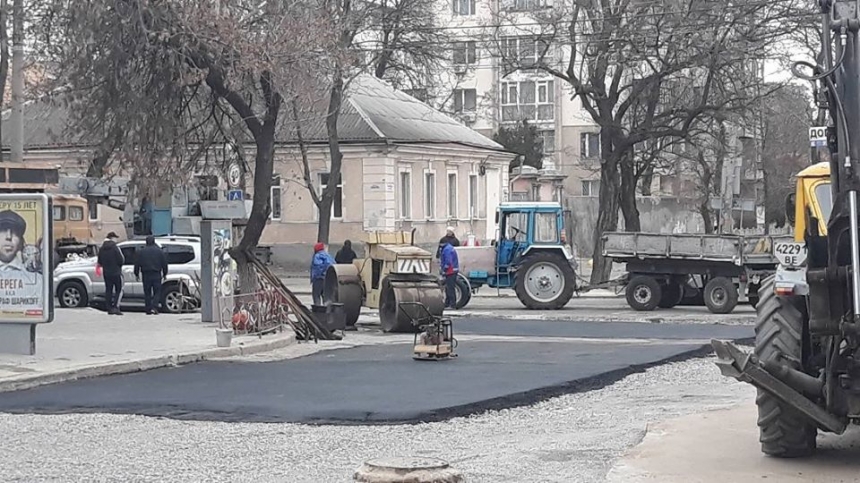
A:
{"points": [[17, 127]]}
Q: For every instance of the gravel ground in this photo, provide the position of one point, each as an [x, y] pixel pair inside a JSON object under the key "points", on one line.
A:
{"points": [[574, 438]]}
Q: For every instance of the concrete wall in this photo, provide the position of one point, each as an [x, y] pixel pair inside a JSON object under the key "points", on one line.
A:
{"points": [[657, 215]]}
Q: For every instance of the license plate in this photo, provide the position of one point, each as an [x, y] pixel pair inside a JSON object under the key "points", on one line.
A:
{"points": [[790, 254]]}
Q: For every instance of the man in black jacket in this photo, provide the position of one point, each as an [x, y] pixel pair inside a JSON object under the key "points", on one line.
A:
{"points": [[152, 262], [111, 260]]}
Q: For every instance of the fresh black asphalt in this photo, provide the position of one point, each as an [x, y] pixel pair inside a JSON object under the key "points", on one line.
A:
{"points": [[600, 330], [381, 383]]}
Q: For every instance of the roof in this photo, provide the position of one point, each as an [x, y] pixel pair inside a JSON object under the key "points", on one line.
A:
{"points": [[819, 170], [530, 204], [373, 112]]}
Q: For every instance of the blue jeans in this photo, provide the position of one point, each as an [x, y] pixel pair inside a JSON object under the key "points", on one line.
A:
{"points": [[451, 291], [152, 290]]}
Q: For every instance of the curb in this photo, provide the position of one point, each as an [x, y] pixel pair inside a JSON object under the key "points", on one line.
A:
{"points": [[126, 367]]}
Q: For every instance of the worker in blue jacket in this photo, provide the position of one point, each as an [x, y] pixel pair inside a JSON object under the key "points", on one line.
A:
{"points": [[450, 264], [319, 265]]}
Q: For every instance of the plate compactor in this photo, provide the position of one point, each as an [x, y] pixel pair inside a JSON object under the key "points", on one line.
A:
{"points": [[434, 340]]}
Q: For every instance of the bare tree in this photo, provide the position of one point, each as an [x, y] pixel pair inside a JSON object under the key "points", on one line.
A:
{"points": [[623, 58], [158, 83]]}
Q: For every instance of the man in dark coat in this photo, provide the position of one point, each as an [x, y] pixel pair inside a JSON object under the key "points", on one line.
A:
{"points": [[110, 260], [448, 239], [345, 255], [152, 262]]}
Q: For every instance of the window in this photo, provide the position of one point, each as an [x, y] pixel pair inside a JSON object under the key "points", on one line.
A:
{"points": [[129, 252], [589, 145], [429, 195], [337, 202], [405, 195], [546, 228], [522, 52], [473, 196], [465, 53], [528, 100], [824, 194], [590, 187], [76, 213], [59, 213], [275, 198], [527, 5], [548, 138], [464, 7], [465, 100], [452, 196], [93, 209], [535, 192], [178, 254]]}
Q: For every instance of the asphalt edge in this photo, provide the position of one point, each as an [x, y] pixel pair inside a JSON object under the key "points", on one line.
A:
{"points": [[279, 341]]}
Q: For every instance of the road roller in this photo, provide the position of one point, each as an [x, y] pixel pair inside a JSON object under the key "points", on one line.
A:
{"points": [[394, 271]]}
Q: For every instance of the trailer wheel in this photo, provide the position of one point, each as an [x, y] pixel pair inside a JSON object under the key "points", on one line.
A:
{"points": [[644, 293], [544, 281], [673, 292], [464, 292], [779, 332], [721, 295]]}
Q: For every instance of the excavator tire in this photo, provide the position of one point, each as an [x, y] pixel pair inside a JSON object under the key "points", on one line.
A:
{"points": [[783, 432]]}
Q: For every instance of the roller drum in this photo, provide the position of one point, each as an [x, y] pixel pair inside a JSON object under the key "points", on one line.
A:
{"points": [[425, 290], [343, 285]]}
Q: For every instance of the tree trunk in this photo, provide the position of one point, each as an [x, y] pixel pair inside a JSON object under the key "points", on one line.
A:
{"points": [[627, 198], [334, 106], [263, 170], [705, 211], [607, 217]]}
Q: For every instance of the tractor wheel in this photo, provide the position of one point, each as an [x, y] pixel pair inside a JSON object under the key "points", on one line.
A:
{"points": [[721, 295], [464, 292], [673, 292], [783, 432], [544, 281], [644, 293]]}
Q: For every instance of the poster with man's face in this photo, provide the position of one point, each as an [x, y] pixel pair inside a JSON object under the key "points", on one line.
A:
{"points": [[25, 268]]}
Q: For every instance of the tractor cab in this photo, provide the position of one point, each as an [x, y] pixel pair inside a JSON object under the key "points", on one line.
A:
{"points": [[523, 226]]}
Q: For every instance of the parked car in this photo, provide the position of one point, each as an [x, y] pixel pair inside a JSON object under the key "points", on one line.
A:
{"points": [[77, 285]]}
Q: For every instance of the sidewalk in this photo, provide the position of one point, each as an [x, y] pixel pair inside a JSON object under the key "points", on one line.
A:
{"points": [[82, 343]]}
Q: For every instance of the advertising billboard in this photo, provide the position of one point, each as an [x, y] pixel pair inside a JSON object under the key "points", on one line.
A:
{"points": [[26, 280]]}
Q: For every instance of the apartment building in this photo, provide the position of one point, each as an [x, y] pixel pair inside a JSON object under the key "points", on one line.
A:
{"points": [[484, 93]]}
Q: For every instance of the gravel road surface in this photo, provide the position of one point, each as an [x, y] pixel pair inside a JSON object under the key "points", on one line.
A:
{"points": [[573, 438]]}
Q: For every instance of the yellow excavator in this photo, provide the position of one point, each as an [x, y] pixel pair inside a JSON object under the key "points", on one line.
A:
{"points": [[806, 361]]}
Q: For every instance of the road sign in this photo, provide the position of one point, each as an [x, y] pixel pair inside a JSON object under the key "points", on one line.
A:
{"points": [[235, 195], [818, 136], [234, 175]]}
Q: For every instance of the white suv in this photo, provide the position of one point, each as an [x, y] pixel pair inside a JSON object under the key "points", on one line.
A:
{"points": [[77, 285]]}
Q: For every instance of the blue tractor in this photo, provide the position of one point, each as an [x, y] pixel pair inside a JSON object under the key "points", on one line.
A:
{"points": [[529, 254]]}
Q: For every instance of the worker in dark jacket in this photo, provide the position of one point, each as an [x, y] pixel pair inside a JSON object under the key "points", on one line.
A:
{"points": [[110, 260], [450, 268], [449, 238], [346, 254], [152, 263]]}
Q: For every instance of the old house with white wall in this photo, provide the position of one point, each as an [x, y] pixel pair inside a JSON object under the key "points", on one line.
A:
{"points": [[405, 166]]}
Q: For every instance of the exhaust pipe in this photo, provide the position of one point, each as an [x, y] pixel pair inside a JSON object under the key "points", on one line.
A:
{"points": [[745, 367]]}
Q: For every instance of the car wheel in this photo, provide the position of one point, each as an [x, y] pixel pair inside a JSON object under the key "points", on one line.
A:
{"points": [[72, 295]]}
